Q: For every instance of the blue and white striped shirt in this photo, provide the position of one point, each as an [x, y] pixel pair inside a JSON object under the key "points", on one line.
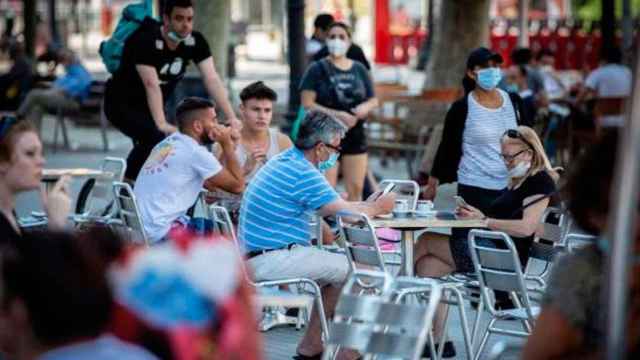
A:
{"points": [[481, 164], [275, 206]]}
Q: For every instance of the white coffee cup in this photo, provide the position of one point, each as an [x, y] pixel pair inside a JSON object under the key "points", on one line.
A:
{"points": [[401, 205]]}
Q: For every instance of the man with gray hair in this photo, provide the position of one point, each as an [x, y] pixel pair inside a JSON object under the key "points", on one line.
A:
{"points": [[274, 216]]}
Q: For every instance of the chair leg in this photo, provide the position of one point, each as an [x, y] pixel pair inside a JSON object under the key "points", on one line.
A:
{"points": [[65, 135], [476, 323], [465, 323], [55, 136], [485, 338], [103, 128]]}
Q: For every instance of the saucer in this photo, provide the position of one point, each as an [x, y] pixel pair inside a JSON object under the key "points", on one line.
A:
{"points": [[401, 214], [428, 213], [385, 216]]}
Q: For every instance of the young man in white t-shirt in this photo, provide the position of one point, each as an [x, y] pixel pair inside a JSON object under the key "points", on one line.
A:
{"points": [[180, 166]]}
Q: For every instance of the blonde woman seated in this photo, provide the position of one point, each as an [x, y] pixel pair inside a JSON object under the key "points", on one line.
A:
{"points": [[517, 212]]}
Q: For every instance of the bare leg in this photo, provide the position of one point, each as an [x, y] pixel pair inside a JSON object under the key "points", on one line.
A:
{"points": [[433, 248], [435, 261], [332, 175], [354, 170], [311, 343]]}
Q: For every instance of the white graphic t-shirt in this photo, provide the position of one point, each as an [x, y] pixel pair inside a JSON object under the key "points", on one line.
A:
{"points": [[170, 182]]}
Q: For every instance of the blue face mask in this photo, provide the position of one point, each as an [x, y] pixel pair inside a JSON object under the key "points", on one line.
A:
{"points": [[489, 78], [329, 163], [175, 37]]}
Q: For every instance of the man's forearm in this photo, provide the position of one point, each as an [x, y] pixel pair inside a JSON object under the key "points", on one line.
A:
{"points": [[156, 108], [231, 163], [364, 207]]}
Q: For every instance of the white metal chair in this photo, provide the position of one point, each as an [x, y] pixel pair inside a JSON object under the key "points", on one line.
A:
{"points": [[500, 269], [452, 293], [360, 241], [96, 199], [375, 324], [363, 252], [128, 213], [549, 242], [273, 298]]}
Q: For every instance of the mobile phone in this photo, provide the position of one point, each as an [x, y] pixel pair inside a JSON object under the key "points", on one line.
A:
{"points": [[388, 189], [460, 201]]}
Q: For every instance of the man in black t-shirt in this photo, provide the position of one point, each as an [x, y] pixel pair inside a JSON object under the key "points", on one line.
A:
{"points": [[154, 59]]}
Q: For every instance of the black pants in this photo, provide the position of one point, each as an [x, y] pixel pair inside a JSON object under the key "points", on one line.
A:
{"points": [[481, 199], [137, 123]]}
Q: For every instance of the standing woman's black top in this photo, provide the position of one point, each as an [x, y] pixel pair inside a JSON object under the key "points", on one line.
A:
{"points": [[7, 233]]}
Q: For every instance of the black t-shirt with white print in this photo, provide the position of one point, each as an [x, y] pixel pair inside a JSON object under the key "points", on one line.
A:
{"points": [[147, 47]]}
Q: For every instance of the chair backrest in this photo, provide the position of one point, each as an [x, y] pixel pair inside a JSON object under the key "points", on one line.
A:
{"points": [[405, 189], [222, 222], [127, 211], [550, 238], [224, 226], [101, 194], [376, 325], [497, 265], [360, 241]]}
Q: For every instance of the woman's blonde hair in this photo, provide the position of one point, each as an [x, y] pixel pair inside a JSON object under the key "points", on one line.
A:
{"points": [[539, 160]]}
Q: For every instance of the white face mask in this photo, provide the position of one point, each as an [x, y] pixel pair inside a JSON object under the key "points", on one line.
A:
{"points": [[337, 47], [520, 170]]}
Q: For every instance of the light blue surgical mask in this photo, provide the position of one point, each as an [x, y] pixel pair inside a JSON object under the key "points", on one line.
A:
{"points": [[329, 163], [175, 37], [489, 78]]}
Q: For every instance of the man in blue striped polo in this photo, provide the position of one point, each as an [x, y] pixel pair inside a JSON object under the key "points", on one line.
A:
{"points": [[275, 210]]}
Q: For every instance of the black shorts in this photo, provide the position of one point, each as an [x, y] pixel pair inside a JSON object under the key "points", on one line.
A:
{"points": [[355, 140]]}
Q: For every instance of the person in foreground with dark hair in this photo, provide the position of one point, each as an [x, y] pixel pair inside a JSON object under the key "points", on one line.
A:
{"points": [[56, 303], [258, 142], [154, 60], [180, 166], [571, 324]]}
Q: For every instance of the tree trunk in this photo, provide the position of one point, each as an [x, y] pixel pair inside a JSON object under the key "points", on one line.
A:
{"points": [[213, 20], [29, 18], [608, 26], [462, 25]]}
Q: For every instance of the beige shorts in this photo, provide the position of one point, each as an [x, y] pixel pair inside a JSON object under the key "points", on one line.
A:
{"points": [[309, 262]]}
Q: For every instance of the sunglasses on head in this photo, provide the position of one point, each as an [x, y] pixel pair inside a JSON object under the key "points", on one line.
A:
{"points": [[515, 134], [6, 123]]}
